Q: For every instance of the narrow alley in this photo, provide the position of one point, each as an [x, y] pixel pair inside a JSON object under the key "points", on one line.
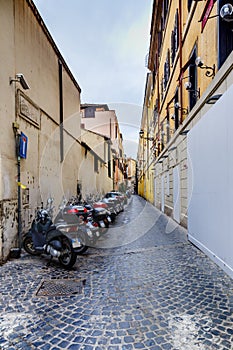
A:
{"points": [[144, 287]]}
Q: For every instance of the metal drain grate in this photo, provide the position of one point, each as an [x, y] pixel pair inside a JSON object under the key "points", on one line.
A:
{"points": [[60, 287]]}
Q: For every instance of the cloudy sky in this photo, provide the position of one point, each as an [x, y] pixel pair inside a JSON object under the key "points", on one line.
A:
{"points": [[105, 44]]}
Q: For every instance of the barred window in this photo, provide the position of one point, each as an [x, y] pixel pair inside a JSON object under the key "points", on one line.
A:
{"points": [[175, 38], [167, 70]]}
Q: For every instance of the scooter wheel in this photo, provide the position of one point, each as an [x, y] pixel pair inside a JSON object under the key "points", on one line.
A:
{"points": [[29, 247], [68, 257]]}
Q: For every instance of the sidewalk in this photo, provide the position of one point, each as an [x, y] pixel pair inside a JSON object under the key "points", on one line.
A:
{"points": [[158, 292]]}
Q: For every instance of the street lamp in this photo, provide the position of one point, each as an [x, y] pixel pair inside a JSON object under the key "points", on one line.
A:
{"points": [[210, 70], [178, 107], [188, 87], [141, 134]]}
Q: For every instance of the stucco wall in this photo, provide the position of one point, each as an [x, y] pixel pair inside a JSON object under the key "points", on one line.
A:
{"points": [[177, 155], [27, 48]]}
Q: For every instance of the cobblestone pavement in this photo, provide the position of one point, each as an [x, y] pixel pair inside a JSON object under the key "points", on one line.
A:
{"points": [[157, 292]]}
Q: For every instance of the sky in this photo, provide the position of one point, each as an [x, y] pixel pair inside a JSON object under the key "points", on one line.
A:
{"points": [[105, 44]]}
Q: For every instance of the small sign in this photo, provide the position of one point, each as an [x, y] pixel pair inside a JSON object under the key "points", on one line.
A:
{"points": [[23, 142]]}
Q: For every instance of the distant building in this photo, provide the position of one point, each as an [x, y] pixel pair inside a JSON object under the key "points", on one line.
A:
{"points": [[98, 118]]}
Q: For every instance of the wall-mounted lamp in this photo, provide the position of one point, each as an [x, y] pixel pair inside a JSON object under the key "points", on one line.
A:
{"points": [[183, 110], [141, 134], [210, 70], [19, 78], [184, 132], [212, 99], [188, 87], [226, 12]]}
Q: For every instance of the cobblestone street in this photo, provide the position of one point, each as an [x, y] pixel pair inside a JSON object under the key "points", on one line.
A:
{"points": [[144, 287]]}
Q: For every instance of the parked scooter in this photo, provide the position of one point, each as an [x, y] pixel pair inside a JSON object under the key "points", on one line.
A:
{"points": [[99, 214], [96, 212], [78, 223], [45, 238], [83, 234]]}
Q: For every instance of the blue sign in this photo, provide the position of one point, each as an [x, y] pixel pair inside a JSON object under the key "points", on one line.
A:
{"points": [[23, 143]]}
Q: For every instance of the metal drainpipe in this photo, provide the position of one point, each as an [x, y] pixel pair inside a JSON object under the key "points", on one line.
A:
{"points": [[16, 252], [19, 206], [181, 58], [158, 98], [60, 76]]}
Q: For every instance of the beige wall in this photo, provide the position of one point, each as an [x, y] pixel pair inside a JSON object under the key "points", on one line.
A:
{"points": [[95, 182], [106, 123], [27, 48], [165, 165], [178, 156]]}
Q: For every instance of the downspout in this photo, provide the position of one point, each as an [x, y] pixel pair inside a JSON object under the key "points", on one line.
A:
{"points": [[158, 97], [181, 58], [61, 111]]}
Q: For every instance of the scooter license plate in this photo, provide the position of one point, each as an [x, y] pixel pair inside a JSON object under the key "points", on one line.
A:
{"points": [[102, 224], [76, 243]]}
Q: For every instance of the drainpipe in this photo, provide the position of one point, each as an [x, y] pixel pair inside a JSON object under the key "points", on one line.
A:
{"points": [[181, 57], [61, 110], [16, 252], [19, 205]]}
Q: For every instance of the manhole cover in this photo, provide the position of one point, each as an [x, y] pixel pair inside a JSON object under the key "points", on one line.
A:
{"points": [[60, 287]]}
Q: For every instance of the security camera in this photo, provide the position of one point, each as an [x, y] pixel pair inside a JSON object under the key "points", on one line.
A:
{"points": [[226, 12], [22, 81]]}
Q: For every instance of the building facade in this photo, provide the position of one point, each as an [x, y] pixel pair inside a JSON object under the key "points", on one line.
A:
{"points": [[96, 169], [190, 76], [40, 111], [100, 119]]}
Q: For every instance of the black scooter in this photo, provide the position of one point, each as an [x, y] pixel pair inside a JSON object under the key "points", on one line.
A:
{"points": [[44, 238]]}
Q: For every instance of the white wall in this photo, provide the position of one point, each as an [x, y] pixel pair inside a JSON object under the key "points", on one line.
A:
{"points": [[210, 182]]}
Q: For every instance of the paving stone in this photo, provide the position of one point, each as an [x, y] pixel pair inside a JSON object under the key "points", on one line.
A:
{"points": [[151, 293]]}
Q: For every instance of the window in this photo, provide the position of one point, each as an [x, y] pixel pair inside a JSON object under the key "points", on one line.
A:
{"points": [[159, 40], [168, 128], [175, 38], [193, 79], [176, 30], [225, 36], [165, 11], [189, 4], [96, 164], [176, 100], [167, 70], [162, 88]]}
